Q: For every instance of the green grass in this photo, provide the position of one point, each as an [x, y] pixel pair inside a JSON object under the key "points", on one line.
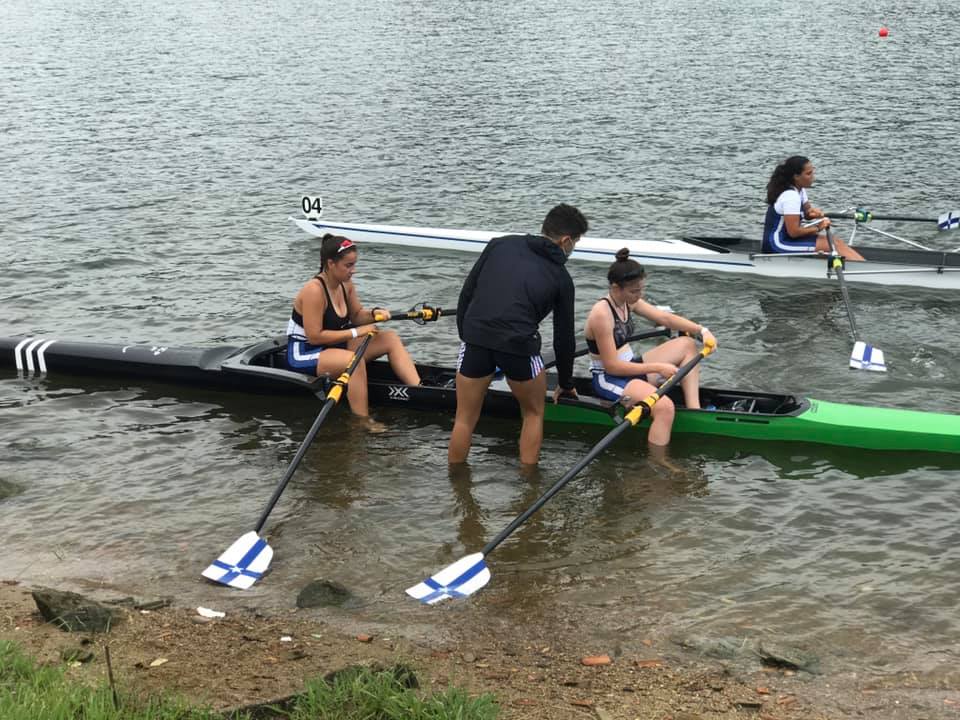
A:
{"points": [[32, 692], [366, 694]]}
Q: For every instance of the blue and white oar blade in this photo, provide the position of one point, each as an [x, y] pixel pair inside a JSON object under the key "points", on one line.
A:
{"points": [[949, 221], [464, 577], [867, 357], [243, 563]]}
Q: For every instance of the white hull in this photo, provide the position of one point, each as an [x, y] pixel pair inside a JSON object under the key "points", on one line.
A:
{"points": [[670, 253]]}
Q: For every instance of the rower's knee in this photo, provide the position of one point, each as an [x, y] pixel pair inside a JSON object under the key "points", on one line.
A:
{"points": [[664, 409]]}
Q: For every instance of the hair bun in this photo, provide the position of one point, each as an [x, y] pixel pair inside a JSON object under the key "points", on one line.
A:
{"points": [[623, 254]]}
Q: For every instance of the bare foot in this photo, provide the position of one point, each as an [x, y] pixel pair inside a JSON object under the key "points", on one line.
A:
{"points": [[659, 456], [373, 426]]}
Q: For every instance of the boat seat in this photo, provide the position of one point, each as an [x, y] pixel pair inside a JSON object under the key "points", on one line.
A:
{"points": [[747, 405], [277, 358]]}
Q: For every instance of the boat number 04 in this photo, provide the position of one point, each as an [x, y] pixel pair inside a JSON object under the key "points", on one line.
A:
{"points": [[312, 206]]}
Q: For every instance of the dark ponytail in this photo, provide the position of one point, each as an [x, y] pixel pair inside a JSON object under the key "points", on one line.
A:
{"points": [[333, 247], [783, 175], [625, 270]]}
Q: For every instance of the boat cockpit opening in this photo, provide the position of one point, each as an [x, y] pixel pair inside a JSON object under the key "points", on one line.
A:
{"points": [[275, 357], [756, 403]]}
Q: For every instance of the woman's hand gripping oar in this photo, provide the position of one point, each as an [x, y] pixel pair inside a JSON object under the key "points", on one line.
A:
{"points": [[864, 356], [245, 562], [470, 573]]}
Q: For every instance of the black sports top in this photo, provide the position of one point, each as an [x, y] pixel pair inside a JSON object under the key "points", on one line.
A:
{"points": [[622, 329], [331, 319]]}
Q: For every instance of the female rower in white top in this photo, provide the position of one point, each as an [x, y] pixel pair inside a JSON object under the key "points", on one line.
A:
{"points": [[788, 205], [618, 375]]}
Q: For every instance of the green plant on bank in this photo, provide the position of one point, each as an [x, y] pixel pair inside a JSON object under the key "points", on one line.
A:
{"points": [[32, 692], [365, 694]]}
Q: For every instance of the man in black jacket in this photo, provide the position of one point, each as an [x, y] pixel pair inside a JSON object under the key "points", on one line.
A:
{"points": [[517, 281]]}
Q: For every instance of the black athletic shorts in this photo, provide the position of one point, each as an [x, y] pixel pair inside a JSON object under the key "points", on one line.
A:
{"points": [[479, 362]]}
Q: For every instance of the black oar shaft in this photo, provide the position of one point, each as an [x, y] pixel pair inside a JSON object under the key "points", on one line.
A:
{"points": [[630, 419], [557, 486], [837, 265], [333, 397], [424, 314], [894, 218], [581, 349]]}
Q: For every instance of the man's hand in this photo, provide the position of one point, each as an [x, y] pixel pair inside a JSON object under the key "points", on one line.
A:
{"points": [[559, 392]]}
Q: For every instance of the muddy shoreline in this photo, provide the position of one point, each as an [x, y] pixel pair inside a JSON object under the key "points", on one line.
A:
{"points": [[535, 672]]}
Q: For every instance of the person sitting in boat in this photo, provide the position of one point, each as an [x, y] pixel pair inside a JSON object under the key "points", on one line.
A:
{"points": [[328, 322], [517, 281], [619, 375], [788, 206]]}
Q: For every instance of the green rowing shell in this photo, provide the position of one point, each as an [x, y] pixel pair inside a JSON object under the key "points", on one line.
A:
{"points": [[815, 421]]}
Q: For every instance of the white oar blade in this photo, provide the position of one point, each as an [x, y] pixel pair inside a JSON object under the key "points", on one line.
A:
{"points": [[243, 563], [867, 357], [463, 578], [949, 221]]}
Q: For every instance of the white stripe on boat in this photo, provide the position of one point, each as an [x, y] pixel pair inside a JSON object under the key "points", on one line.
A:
{"points": [[16, 353], [40, 352], [29, 353]]}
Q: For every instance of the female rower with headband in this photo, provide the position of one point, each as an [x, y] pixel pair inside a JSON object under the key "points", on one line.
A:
{"points": [[620, 376], [328, 322]]}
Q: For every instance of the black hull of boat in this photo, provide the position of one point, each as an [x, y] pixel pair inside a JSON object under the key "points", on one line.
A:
{"points": [[262, 368], [257, 369]]}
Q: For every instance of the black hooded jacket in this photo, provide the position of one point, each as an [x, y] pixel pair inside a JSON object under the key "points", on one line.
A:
{"points": [[517, 281]]}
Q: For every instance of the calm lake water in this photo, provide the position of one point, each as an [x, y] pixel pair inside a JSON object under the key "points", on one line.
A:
{"points": [[151, 154]]}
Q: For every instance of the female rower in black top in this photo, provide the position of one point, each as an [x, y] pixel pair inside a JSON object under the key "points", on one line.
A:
{"points": [[328, 322], [620, 376]]}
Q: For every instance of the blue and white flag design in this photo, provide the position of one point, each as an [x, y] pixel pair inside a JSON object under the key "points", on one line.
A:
{"points": [[243, 563], [867, 357], [463, 578], [949, 221]]}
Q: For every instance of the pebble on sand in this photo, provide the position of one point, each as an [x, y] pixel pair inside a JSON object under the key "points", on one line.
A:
{"points": [[591, 660]]}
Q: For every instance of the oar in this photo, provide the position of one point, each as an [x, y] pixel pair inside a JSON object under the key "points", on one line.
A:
{"points": [[864, 356], [470, 573], [946, 221], [549, 360], [244, 562], [420, 313]]}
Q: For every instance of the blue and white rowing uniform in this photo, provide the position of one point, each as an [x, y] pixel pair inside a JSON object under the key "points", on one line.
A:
{"points": [[775, 236], [302, 356], [606, 386]]}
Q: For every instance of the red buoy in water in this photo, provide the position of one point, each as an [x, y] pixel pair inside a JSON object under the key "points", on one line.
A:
{"points": [[884, 32]]}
